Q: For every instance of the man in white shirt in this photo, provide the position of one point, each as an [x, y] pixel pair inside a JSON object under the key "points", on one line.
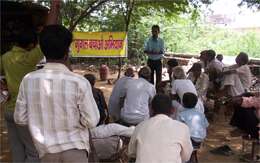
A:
{"points": [[213, 63], [213, 69], [114, 107], [138, 95], [161, 139], [181, 85], [57, 104], [238, 78]]}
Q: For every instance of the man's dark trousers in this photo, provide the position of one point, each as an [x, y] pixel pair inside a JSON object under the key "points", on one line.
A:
{"points": [[155, 65]]}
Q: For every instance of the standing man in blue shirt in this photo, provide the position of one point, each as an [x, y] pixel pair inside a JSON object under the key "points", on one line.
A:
{"points": [[154, 48]]}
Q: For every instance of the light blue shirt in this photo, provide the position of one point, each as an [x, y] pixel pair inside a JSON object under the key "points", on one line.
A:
{"points": [[156, 45], [197, 123]]}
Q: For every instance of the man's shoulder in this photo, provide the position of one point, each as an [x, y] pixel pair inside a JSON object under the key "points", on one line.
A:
{"points": [[171, 122], [244, 67], [160, 39], [8, 55], [181, 81], [180, 125], [68, 75], [148, 84], [204, 75], [192, 112], [123, 79]]}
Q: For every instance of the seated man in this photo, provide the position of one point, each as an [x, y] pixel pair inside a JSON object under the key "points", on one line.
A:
{"points": [[246, 114], [181, 85], [253, 102], [220, 57], [99, 98], [137, 98], [114, 107], [170, 65], [237, 79], [160, 138], [195, 120]]}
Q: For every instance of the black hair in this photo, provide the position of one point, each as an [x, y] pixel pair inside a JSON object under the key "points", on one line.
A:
{"points": [[156, 26], [203, 52], [189, 100], [162, 104], [55, 41], [91, 78], [243, 57], [145, 72], [172, 62], [26, 37], [195, 67], [219, 57], [129, 72], [211, 54]]}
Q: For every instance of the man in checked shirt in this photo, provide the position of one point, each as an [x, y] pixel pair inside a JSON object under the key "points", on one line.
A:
{"points": [[57, 104]]}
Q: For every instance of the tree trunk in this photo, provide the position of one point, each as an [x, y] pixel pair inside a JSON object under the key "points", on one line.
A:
{"points": [[129, 10]]}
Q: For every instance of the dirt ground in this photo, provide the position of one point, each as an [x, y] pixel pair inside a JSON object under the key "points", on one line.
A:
{"points": [[218, 133]]}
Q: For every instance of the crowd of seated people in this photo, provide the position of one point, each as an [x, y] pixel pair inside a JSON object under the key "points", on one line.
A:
{"points": [[164, 122]]}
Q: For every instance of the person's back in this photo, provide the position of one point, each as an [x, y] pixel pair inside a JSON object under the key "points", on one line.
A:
{"points": [[164, 135], [53, 107], [181, 86], [99, 98], [195, 120], [160, 139], [118, 90], [238, 78], [197, 123], [137, 98], [215, 65], [57, 104], [16, 63], [245, 76], [139, 93]]}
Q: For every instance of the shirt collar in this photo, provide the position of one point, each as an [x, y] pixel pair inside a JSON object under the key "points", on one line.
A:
{"points": [[18, 49], [188, 109], [162, 116], [56, 66], [155, 39]]}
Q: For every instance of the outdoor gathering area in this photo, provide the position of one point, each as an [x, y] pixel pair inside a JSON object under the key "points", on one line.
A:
{"points": [[145, 81]]}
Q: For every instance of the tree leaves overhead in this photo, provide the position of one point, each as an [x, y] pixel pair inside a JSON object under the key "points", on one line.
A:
{"points": [[251, 3], [76, 11]]}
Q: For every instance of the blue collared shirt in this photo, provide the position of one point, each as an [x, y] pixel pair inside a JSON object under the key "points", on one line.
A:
{"points": [[156, 45], [197, 123]]}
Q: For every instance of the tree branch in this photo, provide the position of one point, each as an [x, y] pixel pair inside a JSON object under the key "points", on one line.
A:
{"points": [[91, 7]]}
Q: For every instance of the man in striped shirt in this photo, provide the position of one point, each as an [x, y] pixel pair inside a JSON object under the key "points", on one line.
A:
{"points": [[57, 104]]}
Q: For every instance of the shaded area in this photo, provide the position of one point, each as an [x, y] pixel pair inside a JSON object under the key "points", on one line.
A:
{"points": [[218, 131]]}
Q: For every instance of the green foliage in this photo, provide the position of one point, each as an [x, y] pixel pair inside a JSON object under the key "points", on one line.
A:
{"points": [[185, 35], [181, 27]]}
